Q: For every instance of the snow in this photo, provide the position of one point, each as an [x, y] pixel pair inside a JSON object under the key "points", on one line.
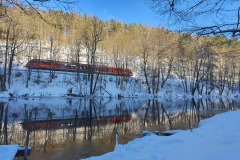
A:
{"points": [[106, 86], [59, 86], [216, 138], [8, 152]]}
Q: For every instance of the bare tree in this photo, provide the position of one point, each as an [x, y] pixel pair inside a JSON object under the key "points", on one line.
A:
{"points": [[92, 39], [166, 70], [186, 47], [15, 44], [203, 17], [6, 55], [164, 48], [145, 47]]}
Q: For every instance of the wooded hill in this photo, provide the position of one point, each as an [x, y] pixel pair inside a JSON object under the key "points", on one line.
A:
{"points": [[159, 54]]}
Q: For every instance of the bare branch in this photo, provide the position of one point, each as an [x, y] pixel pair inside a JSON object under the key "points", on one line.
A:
{"points": [[202, 16]]}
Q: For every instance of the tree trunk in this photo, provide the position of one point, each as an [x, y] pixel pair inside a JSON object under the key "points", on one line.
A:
{"points": [[6, 58], [10, 66], [168, 73]]}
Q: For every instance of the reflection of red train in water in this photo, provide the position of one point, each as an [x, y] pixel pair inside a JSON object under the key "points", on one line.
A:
{"points": [[74, 67], [73, 122]]}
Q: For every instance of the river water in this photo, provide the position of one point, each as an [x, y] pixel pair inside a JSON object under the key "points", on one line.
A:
{"points": [[75, 128]]}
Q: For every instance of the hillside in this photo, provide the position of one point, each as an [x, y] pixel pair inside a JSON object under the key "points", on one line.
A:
{"points": [[64, 84]]}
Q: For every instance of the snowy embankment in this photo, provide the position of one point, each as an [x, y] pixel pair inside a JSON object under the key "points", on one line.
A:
{"points": [[8, 152], [41, 85], [216, 138]]}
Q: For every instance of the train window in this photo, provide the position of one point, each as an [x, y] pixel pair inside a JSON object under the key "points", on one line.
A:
{"points": [[62, 65], [34, 61], [84, 66], [72, 66], [48, 63], [103, 69]]}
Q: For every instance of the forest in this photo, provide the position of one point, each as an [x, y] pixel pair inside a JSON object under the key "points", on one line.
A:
{"points": [[201, 63]]}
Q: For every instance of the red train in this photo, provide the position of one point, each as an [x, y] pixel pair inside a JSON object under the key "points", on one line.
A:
{"points": [[73, 67], [73, 122]]}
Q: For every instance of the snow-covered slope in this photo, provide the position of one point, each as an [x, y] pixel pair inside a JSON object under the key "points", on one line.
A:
{"points": [[42, 85], [216, 138]]}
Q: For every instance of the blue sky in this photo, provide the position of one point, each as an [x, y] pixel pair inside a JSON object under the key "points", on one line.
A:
{"points": [[126, 11], [136, 11]]}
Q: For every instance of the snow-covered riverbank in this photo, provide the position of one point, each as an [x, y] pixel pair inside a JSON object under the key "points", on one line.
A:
{"points": [[217, 138], [42, 85]]}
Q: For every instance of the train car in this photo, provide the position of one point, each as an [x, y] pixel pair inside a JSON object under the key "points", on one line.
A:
{"points": [[74, 67]]}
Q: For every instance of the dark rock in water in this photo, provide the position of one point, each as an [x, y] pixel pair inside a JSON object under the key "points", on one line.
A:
{"points": [[146, 133], [165, 133], [170, 132], [157, 132]]}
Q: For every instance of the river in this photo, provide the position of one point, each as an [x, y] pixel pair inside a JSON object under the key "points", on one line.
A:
{"points": [[75, 128]]}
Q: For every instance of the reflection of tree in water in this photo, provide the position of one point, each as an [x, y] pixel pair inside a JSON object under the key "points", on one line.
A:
{"points": [[91, 120], [88, 122], [156, 114], [3, 126], [185, 114]]}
